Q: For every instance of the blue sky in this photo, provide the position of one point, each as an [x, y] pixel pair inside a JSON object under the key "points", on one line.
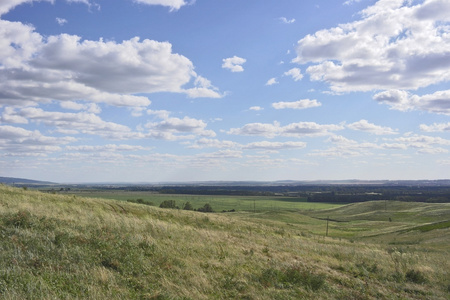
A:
{"points": [[176, 90]]}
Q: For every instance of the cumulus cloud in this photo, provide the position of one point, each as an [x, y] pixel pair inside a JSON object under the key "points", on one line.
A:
{"points": [[222, 154], [257, 129], [395, 45], [234, 64], [256, 108], [106, 148], [295, 73], [15, 139], [272, 81], [438, 102], [364, 125], [212, 143], [436, 127], [300, 104], [7, 5], [203, 89], [74, 123], [266, 145], [422, 141], [89, 107], [67, 68], [299, 129], [346, 148], [172, 128]]}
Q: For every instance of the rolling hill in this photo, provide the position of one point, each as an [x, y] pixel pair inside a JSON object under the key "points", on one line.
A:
{"points": [[70, 247]]}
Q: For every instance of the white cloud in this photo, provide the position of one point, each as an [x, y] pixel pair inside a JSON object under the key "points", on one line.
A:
{"points": [[300, 104], [395, 45], [256, 108], [286, 21], [222, 154], [350, 2], [203, 89], [438, 102], [265, 145], [61, 21], [437, 150], [74, 123], [272, 81], [299, 129], [67, 68], [162, 114], [364, 125], [89, 3], [422, 141], [234, 64], [309, 129], [259, 129], [295, 73], [7, 5], [14, 139], [106, 148], [436, 127], [89, 107], [345, 147], [173, 4], [174, 128], [212, 143]]}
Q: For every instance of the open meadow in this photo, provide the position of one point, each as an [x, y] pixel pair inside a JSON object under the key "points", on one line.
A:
{"points": [[71, 247], [218, 202]]}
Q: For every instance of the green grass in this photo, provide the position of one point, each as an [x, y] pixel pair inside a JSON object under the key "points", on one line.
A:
{"points": [[219, 203], [70, 247]]}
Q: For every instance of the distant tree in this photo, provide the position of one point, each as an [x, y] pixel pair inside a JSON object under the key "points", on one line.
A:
{"points": [[188, 206], [206, 208], [168, 204]]}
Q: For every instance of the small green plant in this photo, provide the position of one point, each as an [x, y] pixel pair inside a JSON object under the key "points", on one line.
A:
{"points": [[20, 219], [290, 276]]}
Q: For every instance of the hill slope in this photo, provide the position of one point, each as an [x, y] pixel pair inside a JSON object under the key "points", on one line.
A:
{"points": [[12, 180], [67, 247]]}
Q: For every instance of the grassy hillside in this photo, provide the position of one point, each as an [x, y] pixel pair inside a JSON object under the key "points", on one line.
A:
{"points": [[69, 247]]}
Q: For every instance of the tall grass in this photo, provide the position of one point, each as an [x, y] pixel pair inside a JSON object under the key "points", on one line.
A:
{"points": [[66, 247]]}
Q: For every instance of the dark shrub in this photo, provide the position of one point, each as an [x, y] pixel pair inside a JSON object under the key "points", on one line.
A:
{"points": [[188, 206], [206, 208], [168, 204], [416, 276]]}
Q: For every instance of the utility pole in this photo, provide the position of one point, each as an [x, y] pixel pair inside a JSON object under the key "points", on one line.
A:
{"points": [[328, 218]]}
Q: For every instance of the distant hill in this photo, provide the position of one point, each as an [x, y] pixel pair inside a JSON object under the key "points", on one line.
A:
{"points": [[12, 180]]}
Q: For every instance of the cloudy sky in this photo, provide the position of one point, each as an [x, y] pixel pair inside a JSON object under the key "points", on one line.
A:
{"points": [[185, 90]]}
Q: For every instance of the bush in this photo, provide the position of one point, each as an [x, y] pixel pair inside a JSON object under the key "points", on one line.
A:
{"points": [[416, 276], [168, 204], [188, 206], [206, 208]]}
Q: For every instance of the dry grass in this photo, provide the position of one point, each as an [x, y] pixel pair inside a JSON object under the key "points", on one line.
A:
{"points": [[66, 247]]}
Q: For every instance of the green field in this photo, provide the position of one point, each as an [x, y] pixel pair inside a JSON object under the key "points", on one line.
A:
{"points": [[71, 247], [219, 203]]}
